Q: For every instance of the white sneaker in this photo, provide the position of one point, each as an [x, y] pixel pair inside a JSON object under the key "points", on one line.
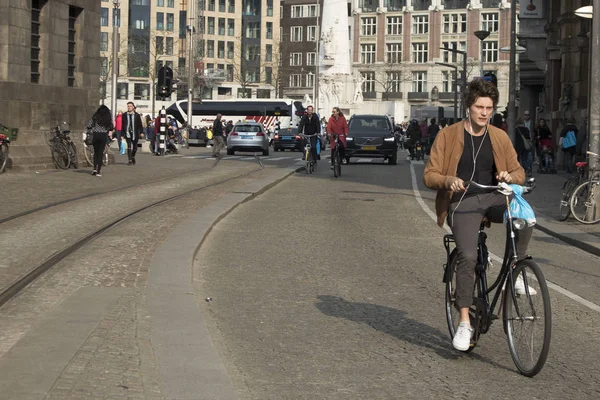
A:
{"points": [[520, 287], [462, 337]]}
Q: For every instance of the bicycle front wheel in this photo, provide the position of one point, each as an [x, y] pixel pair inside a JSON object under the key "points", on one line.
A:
{"points": [[88, 153], [565, 208], [3, 156], [60, 155], [528, 318], [337, 164], [73, 155], [585, 205]]}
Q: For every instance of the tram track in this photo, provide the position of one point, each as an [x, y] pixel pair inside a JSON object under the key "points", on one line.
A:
{"points": [[23, 281]]}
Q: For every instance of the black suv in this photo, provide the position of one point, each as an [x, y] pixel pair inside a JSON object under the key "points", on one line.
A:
{"points": [[371, 136]]}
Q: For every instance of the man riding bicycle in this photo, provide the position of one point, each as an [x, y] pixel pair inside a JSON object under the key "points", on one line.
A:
{"points": [[310, 125], [472, 150]]}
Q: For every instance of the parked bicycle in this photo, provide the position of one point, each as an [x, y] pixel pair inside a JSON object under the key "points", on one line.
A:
{"points": [[4, 147], [521, 291], [64, 153], [337, 159], [585, 200], [568, 189]]}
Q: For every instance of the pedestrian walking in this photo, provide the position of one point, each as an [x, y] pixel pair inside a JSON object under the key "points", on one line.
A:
{"points": [[119, 127], [217, 132], [102, 128], [132, 128], [524, 145], [568, 143], [542, 134]]}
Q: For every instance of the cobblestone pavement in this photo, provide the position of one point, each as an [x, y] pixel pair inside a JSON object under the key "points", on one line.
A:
{"points": [[117, 360], [340, 297]]}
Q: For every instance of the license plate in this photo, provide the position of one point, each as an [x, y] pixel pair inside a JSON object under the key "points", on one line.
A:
{"points": [[369, 147], [286, 137], [247, 136]]}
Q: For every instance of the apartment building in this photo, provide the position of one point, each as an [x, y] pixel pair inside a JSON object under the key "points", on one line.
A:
{"points": [[397, 44]]}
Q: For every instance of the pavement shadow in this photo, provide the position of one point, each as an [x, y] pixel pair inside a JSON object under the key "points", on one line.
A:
{"points": [[397, 324]]}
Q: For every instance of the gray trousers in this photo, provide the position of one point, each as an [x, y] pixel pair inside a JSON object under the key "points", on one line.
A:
{"points": [[464, 221]]}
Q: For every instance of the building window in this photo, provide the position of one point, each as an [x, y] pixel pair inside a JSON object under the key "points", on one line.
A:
{"points": [[394, 5], [160, 21], [211, 5], [160, 3], [230, 50], [170, 22], [201, 25], [269, 51], [310, 80], [171, 3], [369, 83], [419, 53], [210, 49], [311, 58], [253, 30], [295, 59], [420, 24], [393, 53], [269, 8], [311, 33], [231, 8], [211, 25], [295, 80], [36, 9], [122, 91], [367, 53], [169, 47], [230, 27], [489, 22], [141, 91], [451, 56], [222, 6], [490, 51], [296, 34], [368, 26], [447, 81], [297, 12], [394, 80], [368, 5], [455, 23], [229, 73], [252, 53], [269, 33], [394, 26], [221, 49], [103, 16], [268, 75], [221, 26], [104, 66], [419, 81], [160, 45], [312, 10], [103, 41]]}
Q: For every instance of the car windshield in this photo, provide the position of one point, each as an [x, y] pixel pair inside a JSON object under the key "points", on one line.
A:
{"points": [[373, 126], [247, 128]]}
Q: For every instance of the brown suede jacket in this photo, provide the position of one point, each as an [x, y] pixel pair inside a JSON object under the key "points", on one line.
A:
{"points": [[445, 155]]}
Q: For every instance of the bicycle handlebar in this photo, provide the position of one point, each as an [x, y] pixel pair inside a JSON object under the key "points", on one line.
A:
{"points": [[500, 187]]}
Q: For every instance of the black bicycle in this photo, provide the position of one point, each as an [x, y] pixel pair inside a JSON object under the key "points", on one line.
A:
{"points": [[568, 188], [64, 152], [337, 159], [521, 291]]}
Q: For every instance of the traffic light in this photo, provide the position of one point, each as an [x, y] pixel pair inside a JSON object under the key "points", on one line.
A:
{"points": [[164, 84]]}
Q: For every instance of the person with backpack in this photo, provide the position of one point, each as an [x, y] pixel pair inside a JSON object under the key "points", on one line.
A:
{"points": [[568, 142], [524, 146]]}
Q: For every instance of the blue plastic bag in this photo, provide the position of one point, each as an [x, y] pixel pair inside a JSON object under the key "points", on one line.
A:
{"points": [[519, 207], [318, 146], [123, 149]]}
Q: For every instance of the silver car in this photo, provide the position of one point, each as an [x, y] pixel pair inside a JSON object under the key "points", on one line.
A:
{"points": [[248, 136]]}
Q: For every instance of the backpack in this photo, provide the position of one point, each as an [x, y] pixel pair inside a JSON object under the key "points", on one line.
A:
{"points": [[569, 140]]}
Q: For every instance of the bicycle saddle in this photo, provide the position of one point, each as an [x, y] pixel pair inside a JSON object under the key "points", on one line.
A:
{"points": [[581, 164]]}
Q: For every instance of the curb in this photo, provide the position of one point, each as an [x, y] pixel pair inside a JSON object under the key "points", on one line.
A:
{"points": [[546, 225], [188, 364]]}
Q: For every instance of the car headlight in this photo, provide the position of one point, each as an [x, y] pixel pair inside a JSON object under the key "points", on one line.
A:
{"points": [[389, 139], [349, 138], [519, 224]]}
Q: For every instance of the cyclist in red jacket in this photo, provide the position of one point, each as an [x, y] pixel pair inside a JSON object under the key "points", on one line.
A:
{"points": [[337, 125]]}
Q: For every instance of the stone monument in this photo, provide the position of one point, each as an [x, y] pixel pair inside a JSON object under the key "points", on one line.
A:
{"points": [[336, 84]]}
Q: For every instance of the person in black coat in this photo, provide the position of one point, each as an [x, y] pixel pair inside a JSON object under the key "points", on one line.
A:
{"points": [[524, 145], [310, 125], [569, 152], [132, 129]]}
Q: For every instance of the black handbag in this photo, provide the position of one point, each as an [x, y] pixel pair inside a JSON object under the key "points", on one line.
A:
{"points": [[89, 138]]}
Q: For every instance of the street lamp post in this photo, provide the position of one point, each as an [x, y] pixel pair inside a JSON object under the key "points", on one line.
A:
{"points": [[455, 87], [481, 35], [191, 65], [464, 75], [115, 60], [512, 75]]}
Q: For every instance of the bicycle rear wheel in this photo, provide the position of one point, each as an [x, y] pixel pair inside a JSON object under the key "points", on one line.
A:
{"points": [[452, 310], [528, 318], [584, 202], [3, 156], [565, 209], [60, 155]]}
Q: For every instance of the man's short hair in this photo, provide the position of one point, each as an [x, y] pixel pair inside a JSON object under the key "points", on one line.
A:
{"points": [[480, 88], [131, 102]]}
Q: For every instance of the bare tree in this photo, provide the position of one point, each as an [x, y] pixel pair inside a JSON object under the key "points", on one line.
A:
{"points": [[391, 77], [106, 71]]}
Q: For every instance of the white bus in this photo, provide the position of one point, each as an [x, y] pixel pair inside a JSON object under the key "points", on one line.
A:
{"points": [[265, 111]]}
